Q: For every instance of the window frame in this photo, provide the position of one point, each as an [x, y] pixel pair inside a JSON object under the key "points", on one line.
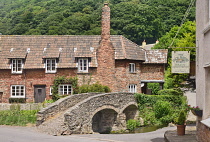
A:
{"points": [[132, 68], [17, 93], [51, 88], [15, 68], [132, 88], [81, 68], [63, 91], [49, 63]]}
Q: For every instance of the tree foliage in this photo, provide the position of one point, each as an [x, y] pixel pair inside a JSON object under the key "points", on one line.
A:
{"points": [[185, 38], [135, 19]]}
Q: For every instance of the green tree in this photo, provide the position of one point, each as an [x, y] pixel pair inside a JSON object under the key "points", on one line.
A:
{"points": [[135, 19], [185, 38]]}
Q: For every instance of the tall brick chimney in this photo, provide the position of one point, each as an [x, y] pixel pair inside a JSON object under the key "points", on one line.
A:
{"points": [[106, 53], [105, 22]]}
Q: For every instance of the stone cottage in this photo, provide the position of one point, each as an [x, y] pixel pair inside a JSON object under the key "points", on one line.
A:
{"points": [[29, 63]]}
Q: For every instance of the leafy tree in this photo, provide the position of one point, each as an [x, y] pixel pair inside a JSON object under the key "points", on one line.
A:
{"points": [[135, 19], [185, 38]]}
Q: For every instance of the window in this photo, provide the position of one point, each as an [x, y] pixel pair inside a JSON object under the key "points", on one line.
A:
{"points": [[17, 91], [132, 88], [65, 89], [17, 65], [132, 68], [83, 65], [50, 66]]}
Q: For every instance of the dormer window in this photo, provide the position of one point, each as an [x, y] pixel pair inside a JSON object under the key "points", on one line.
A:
{"points": [[132, 68], [17, 65], [50, 66], [83, 65]]}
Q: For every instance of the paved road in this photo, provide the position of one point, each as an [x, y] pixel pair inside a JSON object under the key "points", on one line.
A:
{"points": [[191, 98], [30, 134]]}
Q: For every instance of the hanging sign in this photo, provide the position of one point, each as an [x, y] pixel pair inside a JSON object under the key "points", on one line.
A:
{"points": [[180, 62]]}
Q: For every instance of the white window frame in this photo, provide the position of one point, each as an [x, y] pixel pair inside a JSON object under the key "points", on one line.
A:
{"points": [[132, 67], [17, 91], [50, 65], [17, 65], [132, 88], [51, 90], [83, 65], [208, 10], [65, 89]]}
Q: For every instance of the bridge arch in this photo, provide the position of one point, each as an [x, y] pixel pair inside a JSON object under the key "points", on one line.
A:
{"points": [[130, 110], [104, 120]]}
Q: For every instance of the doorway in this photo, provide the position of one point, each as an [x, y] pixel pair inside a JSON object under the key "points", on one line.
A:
{"points": [[1, 95], [39, 93]]}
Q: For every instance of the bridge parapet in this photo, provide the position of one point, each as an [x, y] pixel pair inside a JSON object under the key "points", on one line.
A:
{"points": [[61, 105]]}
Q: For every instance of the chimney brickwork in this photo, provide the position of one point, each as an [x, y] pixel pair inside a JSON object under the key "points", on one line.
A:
{"points": [[106, 53]]}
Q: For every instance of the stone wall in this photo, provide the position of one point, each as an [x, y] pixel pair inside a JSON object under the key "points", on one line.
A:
{"points": [[61, 105], [27, 106], [203, 132]]}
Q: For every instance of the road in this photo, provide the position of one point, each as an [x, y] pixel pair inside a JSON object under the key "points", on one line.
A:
{"points": [[30, 134]]}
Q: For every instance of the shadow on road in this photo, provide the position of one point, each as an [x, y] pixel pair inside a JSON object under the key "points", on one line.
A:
{"points": [[157, 140]]}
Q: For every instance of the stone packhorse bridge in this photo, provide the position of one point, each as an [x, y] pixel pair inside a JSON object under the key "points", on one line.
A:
{"points": [[88, 113]]}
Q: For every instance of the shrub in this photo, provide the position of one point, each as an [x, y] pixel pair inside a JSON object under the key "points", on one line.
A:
{"points": [[166, 119], [149, 117], [17, 100], [162, 108], [49, 101], [132, 124], [155, 87], [148, 100], [181, 119], [175, 92], [94, 88]]}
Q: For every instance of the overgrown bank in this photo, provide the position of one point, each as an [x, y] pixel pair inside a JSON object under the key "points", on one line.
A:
{"points": [[17, 117], [160, 109]]}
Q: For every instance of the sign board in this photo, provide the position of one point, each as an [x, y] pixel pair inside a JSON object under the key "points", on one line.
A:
{"points": [[180, 62]]}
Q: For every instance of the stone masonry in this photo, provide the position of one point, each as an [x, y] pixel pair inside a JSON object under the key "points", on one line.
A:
{"points": [[79, 118], [96, 113]]}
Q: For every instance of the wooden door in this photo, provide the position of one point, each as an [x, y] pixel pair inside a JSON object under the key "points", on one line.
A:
{"points": [[39, 93]]}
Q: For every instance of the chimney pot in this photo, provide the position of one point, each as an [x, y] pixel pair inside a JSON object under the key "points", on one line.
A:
{"points": [[106, 4], [144, 44]]}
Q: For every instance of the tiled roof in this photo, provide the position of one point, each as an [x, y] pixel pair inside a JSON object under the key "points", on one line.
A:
{"points": [[17, 53], [156, 56], [51, 52], [65, 47]]}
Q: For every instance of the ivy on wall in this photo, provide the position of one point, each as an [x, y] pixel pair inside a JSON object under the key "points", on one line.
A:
{"points": [[64, 80], [85, 88]]}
